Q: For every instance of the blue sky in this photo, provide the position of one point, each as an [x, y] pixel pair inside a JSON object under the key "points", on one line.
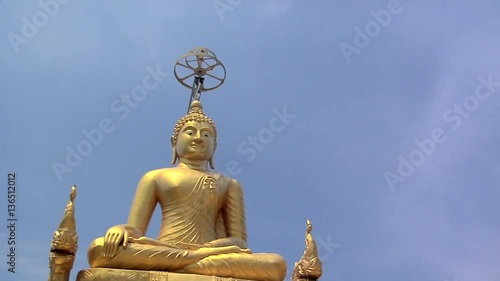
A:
{"points": [[391, 151]]}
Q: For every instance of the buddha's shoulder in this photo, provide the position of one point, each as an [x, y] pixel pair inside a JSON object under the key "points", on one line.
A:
{"points": [[171, 172], [160, 172], [229, 180], [179, 173]]}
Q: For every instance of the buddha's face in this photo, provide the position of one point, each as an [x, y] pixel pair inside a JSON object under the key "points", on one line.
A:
{"points": [[196, 141]]}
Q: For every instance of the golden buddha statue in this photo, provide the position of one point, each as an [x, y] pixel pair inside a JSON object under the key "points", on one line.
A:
{"points": [[203, 228]]}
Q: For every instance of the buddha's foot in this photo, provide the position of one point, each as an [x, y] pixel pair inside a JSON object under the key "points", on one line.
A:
{"points": [[265, 267], [221, 250], [150, 257]]}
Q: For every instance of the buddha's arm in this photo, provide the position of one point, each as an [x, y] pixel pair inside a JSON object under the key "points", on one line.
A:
{"points": [[140, 214], [234, 218], [143, 205]]}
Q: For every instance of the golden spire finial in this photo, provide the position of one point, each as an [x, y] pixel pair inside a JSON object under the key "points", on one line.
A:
{"points": [[64, 243], [196, 107], [309, 227], [309, 267], [68, 221]]}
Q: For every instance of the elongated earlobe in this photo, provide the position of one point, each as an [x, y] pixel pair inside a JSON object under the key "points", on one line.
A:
{"points": [[175, 157], [211, 162]]}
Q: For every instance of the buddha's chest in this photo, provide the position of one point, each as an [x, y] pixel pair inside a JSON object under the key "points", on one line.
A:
{"points": [[193, 189]]}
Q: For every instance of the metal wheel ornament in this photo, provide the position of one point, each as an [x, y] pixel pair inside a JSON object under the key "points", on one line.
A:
{"points": [[202, 63]]}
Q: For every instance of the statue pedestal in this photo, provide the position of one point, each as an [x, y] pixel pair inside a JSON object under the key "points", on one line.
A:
{"points": [[107, 274]]}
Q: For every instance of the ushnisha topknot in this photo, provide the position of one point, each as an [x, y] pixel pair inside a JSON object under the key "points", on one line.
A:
{"points": [[195, 114]]}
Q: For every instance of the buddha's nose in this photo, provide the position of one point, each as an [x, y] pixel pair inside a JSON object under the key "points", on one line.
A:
{"points": [[197, 137]]}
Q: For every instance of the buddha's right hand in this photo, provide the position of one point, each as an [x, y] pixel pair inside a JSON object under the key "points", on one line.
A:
{"points": [[115, 237]]}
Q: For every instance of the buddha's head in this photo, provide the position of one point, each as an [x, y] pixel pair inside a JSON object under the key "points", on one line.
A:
{"points": [[195, 136]]}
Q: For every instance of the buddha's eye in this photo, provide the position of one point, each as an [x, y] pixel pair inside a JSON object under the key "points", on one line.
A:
{"points": [[189, 133], [207, 135]]}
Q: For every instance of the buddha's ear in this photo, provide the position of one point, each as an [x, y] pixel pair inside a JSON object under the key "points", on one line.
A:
{"points": [[174, 152], [175, 157], [211, 162]]}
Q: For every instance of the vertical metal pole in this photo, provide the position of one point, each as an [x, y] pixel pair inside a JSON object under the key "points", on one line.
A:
{"points": [[196, 90]]}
